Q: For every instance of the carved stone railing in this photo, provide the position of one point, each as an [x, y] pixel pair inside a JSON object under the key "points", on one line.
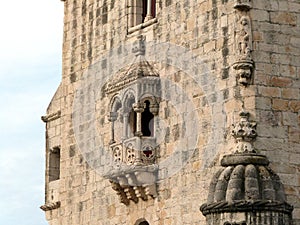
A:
{"points": [[134, 172]]}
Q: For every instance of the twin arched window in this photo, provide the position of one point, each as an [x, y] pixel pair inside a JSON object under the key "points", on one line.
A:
{"points": [[134, 119]]}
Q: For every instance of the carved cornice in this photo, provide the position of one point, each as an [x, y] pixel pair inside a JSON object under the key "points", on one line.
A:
{"points": [[51, 117], [246, 206], [50, 206], [127, 77]]}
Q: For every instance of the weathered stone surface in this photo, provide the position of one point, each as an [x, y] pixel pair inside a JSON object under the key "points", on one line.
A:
{"points": [[210, 31]]}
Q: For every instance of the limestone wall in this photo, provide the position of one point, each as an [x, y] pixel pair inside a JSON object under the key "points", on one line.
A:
{"points": [[207, 30]]}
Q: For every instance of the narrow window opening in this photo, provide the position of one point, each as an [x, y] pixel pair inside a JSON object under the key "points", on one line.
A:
{"points": [[144, 14], [147, 121], [153, 8], [54, 164]]}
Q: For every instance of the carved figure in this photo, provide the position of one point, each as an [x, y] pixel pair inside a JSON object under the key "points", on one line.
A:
{"points": [[244, 43]]}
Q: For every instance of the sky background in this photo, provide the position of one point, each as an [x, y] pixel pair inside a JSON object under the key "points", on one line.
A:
{"points": [[30, 72]]}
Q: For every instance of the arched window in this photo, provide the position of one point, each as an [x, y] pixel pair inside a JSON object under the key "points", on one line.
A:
{"points": [[141, 11]]}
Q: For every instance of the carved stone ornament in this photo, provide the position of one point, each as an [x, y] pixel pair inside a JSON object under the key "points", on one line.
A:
{"points": [[50, 206], [243, 5], [134, 94], [244, 133], [139, 46], [134, 182], [246, 190], [243, 41]]}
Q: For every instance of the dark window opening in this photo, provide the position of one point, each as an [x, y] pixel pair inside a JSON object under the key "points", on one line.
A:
{"points": [[153, 9], [144, 13], [144, 223], [54, 164], [147, 121]]}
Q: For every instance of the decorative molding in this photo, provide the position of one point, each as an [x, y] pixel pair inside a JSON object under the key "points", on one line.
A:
{"points": [[51, 117], [246, 206], [244, 133], [50, 206]]}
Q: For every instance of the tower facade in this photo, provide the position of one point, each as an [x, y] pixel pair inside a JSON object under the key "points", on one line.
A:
{"points": [[168, 105]]}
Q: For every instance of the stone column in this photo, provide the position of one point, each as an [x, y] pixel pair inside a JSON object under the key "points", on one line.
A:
{"points": [[112, 118], [149, 11], [125, 125], [154, 108], [138, 108]]}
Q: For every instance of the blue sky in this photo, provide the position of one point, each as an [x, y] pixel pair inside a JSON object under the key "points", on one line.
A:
{"points": [[30, 71]]}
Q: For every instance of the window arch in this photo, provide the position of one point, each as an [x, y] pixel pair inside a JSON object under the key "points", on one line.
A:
{"points": [[141, 222]]}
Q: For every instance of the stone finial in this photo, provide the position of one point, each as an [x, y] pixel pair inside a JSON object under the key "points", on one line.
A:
{"points": [[139, 47], [244, 132]]}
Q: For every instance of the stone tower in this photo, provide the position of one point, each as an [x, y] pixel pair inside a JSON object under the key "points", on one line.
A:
{"points": [[168, 106]]}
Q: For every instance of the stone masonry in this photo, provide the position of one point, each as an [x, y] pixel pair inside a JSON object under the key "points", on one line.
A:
{"points": [[141, 120]]}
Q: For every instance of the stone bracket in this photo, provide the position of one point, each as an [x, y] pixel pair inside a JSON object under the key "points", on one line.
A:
{"points": [[51, 117], [134, 184], [50, 206]]}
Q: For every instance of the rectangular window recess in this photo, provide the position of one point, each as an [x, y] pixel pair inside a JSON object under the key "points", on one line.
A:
{"points": [[54, 164], [142, 25]]}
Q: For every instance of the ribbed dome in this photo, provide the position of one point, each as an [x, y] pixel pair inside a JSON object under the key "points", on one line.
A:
{"points": [[245, 183]]}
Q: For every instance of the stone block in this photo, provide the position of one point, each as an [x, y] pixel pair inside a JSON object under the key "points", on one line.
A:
{"points": [[279, 104], [289, 93], [281, 81], [294, 106], [283, 18], [269, 91]]}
